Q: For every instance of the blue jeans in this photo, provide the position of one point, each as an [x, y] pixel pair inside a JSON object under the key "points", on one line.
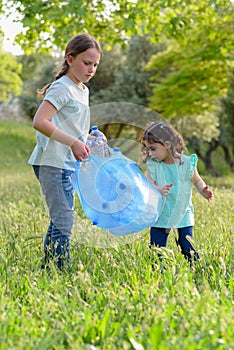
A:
{"points": [[58, 191], [159, 237]]}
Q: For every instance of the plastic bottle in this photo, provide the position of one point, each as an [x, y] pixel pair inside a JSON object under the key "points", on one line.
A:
{"points": [[97, 142], [116, 152]]}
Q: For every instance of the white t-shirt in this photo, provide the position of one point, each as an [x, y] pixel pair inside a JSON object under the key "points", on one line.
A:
{"points": [[73, 117]]}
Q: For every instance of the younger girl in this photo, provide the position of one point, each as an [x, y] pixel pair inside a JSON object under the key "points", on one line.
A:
{"points": [[62, 122], [173, 174]]}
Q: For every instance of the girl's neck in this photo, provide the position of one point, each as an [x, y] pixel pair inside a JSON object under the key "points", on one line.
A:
{"points": [[170, 160], [75, 80]]}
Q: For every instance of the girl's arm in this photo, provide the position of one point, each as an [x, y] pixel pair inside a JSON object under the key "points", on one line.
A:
{"points": [[42, 122], [162, 189], [201, 186]]}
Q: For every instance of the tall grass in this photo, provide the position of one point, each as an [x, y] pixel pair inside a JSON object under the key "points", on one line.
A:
{"points": [[111, 299]]}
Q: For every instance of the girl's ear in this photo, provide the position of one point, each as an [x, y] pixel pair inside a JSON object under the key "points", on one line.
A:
{"points": [[69, 59], [167, 144]]}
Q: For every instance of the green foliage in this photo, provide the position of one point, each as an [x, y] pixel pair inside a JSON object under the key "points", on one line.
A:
{"points": [[111, 62], [10, 81], [38, 70], [111, 299], [130, 82], [187, 84], [110, 21], [28, 104], [203, 126], [193, 72], [58, 21], [227, 114], [34, 64]]}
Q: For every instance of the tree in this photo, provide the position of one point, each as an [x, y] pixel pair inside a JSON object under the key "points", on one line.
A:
{"points": [[110, 63], [10, 81], [225, 141], [51, 23], [129, 81], [193, 71], [227, 126], [192, 77], [125, 95], [38, 70], [198, 35]]}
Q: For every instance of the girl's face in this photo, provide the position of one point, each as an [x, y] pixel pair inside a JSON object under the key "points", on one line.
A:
{"points": [[83, 67], [159, 152]]}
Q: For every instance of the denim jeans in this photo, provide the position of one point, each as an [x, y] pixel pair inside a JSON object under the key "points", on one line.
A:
{"points": [[159, 237], [58, 191]]}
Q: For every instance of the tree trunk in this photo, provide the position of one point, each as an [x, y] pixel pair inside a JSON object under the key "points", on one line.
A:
{"points": [[228, 157], [208, 159]]}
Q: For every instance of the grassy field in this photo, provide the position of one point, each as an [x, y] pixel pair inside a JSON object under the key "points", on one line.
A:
{"points": [[111, 299]]}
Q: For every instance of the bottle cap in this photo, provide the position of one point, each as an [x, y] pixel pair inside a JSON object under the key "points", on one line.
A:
{"points": [[95, 127], [116, 149]]}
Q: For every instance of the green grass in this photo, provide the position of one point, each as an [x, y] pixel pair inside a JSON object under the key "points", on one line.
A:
{"points": [[111, 299]]}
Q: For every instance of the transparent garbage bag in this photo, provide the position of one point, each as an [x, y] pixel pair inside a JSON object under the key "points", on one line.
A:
{"points": [[115, 195]]}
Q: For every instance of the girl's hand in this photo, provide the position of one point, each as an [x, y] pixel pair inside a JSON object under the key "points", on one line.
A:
{"points": [[80, 150], [207, 193], [165, 189]]}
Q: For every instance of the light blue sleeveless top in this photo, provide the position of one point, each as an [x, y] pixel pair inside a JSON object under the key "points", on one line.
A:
{"points": [[177, 209]]}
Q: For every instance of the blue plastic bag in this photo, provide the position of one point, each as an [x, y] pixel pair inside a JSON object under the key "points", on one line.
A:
{"points": [[115, 195]]}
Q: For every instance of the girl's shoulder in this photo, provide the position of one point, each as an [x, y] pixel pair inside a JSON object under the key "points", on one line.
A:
{"points": [[58, 94], [151, 163], [191, 158], [70, 85], [59, 84], [66, 85], [190, 163], [63, 90]]}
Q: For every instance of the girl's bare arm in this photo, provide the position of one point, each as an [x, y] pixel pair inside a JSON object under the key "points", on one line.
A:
{"points": [[164, 190], [201, 186]]}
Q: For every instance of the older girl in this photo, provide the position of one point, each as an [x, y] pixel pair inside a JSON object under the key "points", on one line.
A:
{"points": [[62, 123]]}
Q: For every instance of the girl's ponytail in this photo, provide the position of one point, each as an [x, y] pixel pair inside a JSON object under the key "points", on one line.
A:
{"points": [[41, 92]]}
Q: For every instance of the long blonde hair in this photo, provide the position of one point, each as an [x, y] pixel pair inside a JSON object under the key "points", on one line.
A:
{"points": [[77, 45]]}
